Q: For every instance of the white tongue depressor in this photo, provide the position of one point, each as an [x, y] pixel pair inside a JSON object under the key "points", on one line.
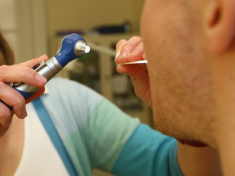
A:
{"points": [[135, 62]]}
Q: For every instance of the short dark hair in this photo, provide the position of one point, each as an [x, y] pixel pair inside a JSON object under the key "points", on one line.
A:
{"points": [[6, 53]]}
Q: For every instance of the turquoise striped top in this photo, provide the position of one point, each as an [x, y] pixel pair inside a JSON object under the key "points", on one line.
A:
{"points": [[97, 134]]}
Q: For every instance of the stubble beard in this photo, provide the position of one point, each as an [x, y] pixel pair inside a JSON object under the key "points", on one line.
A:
{"points": [[182, 97]]}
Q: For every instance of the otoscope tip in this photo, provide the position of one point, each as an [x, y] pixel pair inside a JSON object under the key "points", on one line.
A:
{"points": [[87, 49]]}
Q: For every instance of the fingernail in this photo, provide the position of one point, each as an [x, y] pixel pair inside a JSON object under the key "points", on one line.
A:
{"points": [[124, 54], [40, 78], [134, 52], [24, 113], [118, 54]]}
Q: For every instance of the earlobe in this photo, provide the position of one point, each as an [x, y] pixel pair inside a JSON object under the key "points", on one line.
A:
{"points": [[220, 25]]}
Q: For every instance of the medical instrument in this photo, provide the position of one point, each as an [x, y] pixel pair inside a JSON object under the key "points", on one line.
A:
{"points": [[72, 46]]}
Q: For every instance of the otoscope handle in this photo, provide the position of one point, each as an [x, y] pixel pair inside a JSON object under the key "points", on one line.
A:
{"points": [[47, 69]]}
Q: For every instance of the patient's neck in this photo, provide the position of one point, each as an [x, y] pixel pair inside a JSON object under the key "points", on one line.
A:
{"points": [[223, 74], [226, 145]]}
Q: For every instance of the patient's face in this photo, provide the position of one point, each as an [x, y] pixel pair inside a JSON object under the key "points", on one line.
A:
{"points": [[179, 73]]}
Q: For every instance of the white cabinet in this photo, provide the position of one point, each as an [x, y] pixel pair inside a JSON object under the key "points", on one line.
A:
{"points": [[105, 67]]}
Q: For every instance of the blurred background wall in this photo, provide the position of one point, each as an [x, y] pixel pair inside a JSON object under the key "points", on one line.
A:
{"points": [[87, 14]]}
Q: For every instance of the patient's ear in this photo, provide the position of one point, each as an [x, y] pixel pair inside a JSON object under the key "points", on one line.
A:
{"points": [[220, 25]]}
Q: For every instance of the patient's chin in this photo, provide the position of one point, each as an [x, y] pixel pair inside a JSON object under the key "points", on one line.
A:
{"points": [[170, 127], [164, 127]]}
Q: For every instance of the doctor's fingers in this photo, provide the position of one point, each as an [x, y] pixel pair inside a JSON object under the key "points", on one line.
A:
{"points": [[119, 45], [128, 48], [136, 55], [35, 61], [19, 73], [12, 98], [5, 115]]}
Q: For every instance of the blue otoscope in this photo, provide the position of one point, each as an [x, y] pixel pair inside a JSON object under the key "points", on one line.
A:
{"points": [[72, 46]]}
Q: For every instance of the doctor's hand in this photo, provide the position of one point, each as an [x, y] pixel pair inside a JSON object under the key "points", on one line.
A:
{"points": [[18, 73], [133, 50]]}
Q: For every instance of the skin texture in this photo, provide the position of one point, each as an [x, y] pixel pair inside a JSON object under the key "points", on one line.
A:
{"points": [[196, 161], [190, 49], [133, 50], [10, 96], [193, 161], [179, 70], [12, 144]]}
